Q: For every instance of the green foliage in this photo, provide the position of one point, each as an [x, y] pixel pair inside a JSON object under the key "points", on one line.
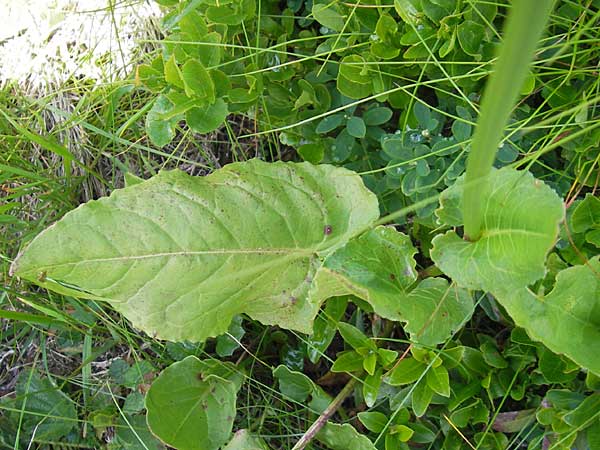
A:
{"points": [[192, 403], [276, 251], [343, 437], [521, 221], [447, 338]]}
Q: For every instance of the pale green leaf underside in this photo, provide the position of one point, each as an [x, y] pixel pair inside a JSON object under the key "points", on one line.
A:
{"points": [[520, 226], [379, 267], [190, 407], [179, 256], [567, 320]]}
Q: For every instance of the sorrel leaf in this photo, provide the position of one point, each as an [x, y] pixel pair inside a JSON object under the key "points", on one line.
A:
{"points": [[179, 256]]}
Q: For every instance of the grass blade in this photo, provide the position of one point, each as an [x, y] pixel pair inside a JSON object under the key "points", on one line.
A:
{"points": [[525, 24]]}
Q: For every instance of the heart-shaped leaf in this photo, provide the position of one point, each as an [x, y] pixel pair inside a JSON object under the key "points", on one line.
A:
{"points": [[567, 320], [521, 221], [180, 256], [191, 404]]}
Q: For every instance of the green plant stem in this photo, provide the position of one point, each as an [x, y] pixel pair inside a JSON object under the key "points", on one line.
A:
{"points": [[325, 415], [524, 27]]}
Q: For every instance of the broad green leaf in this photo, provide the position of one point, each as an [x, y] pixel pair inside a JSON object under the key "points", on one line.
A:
{"points": [[180, 256], [586, 215], [292, 384], [386, 28], [421, 398], [47, 410], [354, 337], [328, 14], [521, 221], [244, 440], [407, 11], [349, 361], [379, 267], [312, 153], [438, 380], [402, 432], [329, 123], [377, 116], [325, 328], [133, 434], [370, 387], [130, 179], [173, 73], [207, 118], [567, 320], [436, 10], [343, 437], [228, 343], [581, 415], [471, 35], [191, 407]]}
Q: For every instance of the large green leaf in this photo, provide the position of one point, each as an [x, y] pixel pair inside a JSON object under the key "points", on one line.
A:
{"points": [[379, 267], [191, 404], [180, 256], [520, 226], [567, 320]]}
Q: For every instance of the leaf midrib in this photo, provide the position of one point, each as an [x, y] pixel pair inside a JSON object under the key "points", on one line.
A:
{"points": [[240, 251]]}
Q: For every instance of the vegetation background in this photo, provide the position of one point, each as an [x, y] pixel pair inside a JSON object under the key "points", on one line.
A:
{"points": [[389, 90]]}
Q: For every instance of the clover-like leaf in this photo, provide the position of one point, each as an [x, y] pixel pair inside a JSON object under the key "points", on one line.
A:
{"points": [[520, 226], [567, 320], [379, 267], [180, 256], [191, 406]]}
